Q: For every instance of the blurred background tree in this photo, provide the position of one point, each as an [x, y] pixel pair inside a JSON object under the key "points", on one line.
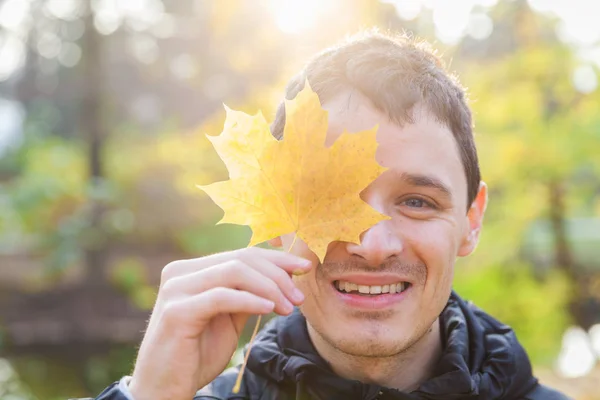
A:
{"points": [[103, 110]]}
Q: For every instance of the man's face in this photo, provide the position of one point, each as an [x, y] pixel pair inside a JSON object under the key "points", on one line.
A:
{"points": [[424, 192]]}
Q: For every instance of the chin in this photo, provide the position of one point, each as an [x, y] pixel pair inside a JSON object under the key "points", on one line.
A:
{"points": [[369, 335], [372, 348]]}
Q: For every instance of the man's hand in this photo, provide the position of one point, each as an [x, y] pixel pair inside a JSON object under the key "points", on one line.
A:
{"points": [[201, 308]]}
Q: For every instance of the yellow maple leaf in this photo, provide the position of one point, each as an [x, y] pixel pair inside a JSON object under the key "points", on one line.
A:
{"points": [[296, 185], [242, 141]]}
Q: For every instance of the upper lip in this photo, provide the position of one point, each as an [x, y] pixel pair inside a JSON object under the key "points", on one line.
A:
{"points": [[379, 279]]}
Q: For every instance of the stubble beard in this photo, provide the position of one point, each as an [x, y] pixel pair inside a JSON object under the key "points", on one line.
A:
{"points": [[369, 344]]}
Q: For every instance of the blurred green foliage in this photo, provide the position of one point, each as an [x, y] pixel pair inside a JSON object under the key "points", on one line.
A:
{"points": [[534, 308]]}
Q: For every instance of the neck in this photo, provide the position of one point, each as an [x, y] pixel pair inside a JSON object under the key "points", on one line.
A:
{"points": [[404, 371]]}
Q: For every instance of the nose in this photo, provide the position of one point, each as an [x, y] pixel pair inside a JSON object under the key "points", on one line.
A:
{"points": [[377, 244]]}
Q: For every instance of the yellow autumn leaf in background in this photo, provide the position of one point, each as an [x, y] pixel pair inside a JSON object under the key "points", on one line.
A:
{"points": [[296, 185]]}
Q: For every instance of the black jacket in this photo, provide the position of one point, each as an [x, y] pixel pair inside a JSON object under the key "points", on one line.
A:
{"points": [[481, 360]]}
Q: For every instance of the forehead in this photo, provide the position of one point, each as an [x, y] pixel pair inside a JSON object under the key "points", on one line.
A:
{"points": [[425, 147]]}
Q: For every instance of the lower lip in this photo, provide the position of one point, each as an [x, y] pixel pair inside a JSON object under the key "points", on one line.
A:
{"points": [[379, 302]]}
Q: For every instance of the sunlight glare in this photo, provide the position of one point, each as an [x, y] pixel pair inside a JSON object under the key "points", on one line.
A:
{"points": [[296, 16], [578, 19], [13, 14], [406, 9], [68, 10], [451, 19], [12, 55], [589, 54], [107, 16], [544, 6]]}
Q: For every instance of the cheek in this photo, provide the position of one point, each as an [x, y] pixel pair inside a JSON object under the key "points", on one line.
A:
{"points": [[304, 283], [434, 244], [313, 300], [433, 241]]}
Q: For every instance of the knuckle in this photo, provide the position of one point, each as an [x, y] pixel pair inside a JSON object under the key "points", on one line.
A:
{"points": [[281, 277], [216, 297], [278, 276], [233, 267], [169, 271], [173, 311], [169, 288], [252, 251], [273, 288], [241, 253]]}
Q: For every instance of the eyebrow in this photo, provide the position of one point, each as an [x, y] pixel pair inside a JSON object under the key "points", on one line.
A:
{"points": [[426, 181]]}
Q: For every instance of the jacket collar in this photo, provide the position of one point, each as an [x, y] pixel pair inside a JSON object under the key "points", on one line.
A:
{"points": [[481, 360]]}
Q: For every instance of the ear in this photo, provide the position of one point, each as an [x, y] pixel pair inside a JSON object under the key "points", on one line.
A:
{"points": [[275, 242], [475, 217]]}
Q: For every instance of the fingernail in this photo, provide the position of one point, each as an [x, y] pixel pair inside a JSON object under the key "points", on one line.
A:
{"points": [[297, 295], [299, 272]]}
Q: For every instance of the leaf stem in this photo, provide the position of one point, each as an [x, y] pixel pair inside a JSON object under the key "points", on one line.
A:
{"points": [[293, 243], [238, 381]]}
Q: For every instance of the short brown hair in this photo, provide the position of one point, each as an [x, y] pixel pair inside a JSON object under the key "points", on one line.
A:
{"points": [[395, 72]]}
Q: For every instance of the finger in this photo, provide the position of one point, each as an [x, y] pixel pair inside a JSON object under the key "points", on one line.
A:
{"points": [[234, 274], [288, 262], [279, 276], [207, 305]]}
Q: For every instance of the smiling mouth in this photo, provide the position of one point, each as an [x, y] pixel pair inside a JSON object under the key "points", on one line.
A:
{"points": [[370, 290]]}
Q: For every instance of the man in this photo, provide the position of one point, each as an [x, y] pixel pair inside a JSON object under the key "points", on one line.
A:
{"points": [[375, 320]]}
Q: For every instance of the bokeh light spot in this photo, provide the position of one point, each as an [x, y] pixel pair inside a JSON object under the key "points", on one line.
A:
{"points": [[585, 79], [576, 358]]}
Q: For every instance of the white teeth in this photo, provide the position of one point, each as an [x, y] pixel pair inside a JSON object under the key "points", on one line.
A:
{"points": [[363, 289], [373, 289]]}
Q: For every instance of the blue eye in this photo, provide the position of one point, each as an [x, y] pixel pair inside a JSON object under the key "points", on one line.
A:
{"points": [[416, 203]]}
